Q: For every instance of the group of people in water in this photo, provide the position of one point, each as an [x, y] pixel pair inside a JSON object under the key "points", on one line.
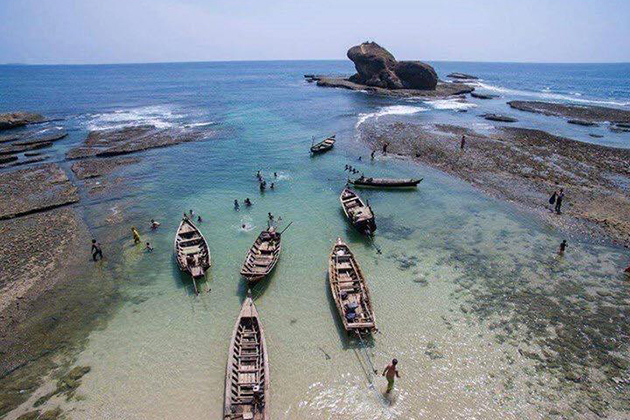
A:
{"points": [[263, 183], [247, 203]]}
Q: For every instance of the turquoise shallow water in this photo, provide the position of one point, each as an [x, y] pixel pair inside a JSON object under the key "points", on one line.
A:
{"points": [[163, 354]]}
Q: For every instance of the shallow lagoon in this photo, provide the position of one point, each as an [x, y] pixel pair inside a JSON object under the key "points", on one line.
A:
{"points": [[449, 254]]}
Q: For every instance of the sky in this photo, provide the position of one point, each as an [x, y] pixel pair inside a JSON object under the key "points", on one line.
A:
{"points": [[135, 31]]}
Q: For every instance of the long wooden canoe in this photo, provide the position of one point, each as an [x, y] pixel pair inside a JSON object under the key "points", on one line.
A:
{"points": [[357, 212], [191, 250], [385, 182], [324, 146], [247, 373], [350, 290], [262, 256]]}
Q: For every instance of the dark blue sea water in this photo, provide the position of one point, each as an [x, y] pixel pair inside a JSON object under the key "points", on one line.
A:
{"points": [[163, 354]]}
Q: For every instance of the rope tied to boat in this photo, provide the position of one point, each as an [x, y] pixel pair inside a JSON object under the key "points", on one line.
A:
{"points": [[367, 356]]}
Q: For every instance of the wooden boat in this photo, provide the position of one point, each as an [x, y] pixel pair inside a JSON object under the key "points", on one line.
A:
{"points": [[350, 290], [191, 250], [324, 146], [247, 373], [262, 256], [357, 212], [385, 182]]}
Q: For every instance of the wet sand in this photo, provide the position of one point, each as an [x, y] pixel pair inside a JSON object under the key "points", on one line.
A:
{"points": [[525, 166]]}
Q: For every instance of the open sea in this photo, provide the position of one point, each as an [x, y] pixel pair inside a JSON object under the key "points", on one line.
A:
{"points": [[452, 260]]}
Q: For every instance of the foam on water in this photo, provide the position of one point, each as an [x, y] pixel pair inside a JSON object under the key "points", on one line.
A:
{"points": [[451, 104], [161, 117], [390, 110]]}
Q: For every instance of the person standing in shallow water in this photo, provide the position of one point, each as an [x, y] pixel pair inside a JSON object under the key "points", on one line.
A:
{"points": [[136, 235], [390, 372], [559, 199], [96, 250]]}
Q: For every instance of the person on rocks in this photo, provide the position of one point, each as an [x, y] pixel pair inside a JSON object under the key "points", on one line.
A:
{"points": [[462, 144], [148, 247], [96, 250], [154, 224], [563, 246], [559, 199], [390, 372], [385, 145], [372, 154]]}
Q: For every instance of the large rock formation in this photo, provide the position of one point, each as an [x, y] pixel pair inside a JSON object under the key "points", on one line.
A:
{"points": [[19, 119], [377, 67]]}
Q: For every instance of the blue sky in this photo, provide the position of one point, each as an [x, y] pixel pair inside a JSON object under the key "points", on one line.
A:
{"points": [[131, 31]]}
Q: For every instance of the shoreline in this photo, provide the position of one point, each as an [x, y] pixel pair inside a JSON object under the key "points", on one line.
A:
{"points": [[516, 165]]}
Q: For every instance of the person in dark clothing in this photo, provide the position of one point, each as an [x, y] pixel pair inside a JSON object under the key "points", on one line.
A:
{"points": [[96, 250], [247, 202], [563, 246], [372, 154], [463, 143], [559, 199], [385, 148]]}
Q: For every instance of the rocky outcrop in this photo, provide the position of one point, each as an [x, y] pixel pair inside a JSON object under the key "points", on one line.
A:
{"points": [[462, 76], [588, 113], [482, 95], [582, 122], [36, 189], [500, 118], [377, 67], [94, 168], [19, 119], [442, 90], [114, 142]]}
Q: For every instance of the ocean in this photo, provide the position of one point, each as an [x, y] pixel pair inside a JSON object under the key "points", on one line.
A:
{"points": [[453, 261]]}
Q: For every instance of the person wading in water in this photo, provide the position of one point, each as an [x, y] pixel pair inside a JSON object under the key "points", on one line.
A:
{"points": [[390, 372]]}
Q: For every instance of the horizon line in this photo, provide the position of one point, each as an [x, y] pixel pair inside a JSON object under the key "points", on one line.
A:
{"points": [[297, 60]]}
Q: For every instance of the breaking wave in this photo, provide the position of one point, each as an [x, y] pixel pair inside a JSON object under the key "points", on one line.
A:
{"points": [[390, 110]]}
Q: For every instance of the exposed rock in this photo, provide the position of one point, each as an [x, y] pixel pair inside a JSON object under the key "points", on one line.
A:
{"points": [[500, 118], [582, 112], [43, 138], [105, 143], [5, 159], [619, 128], [12, 150], [483, 95], [36, 159], [9, 138], [92, 168], [29, 190], [441, 91], [595, 136], [524, 166], [462, 76], [31, 415], [623, 125], [19, 119], [377, 67], [30, 154], [582, 122]]}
